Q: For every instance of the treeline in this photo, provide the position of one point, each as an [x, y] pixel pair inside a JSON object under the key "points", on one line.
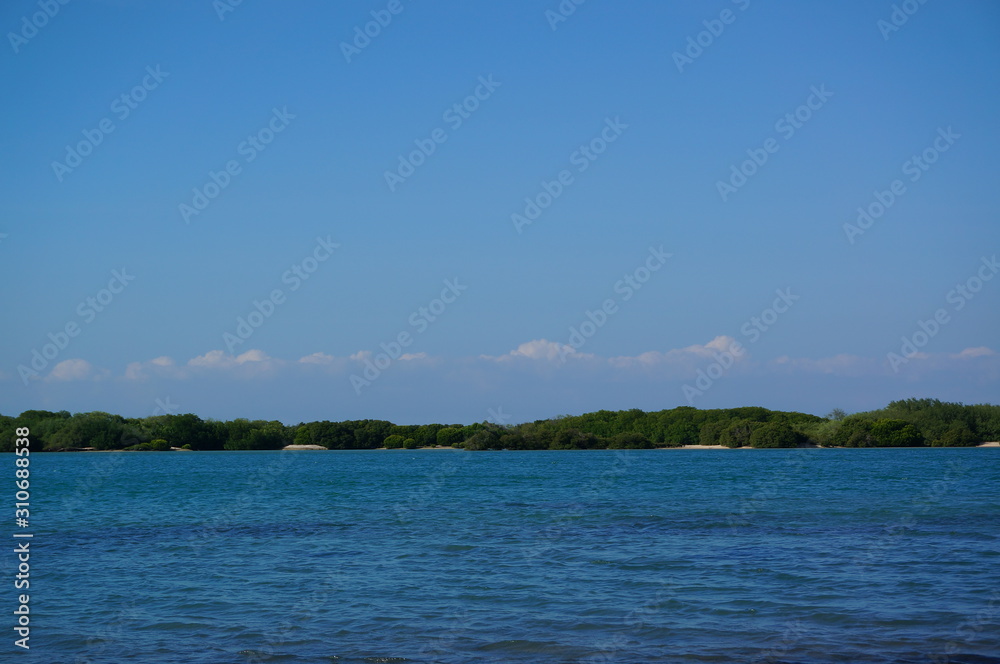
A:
{"points": [[917, 422], [54, 431], [909, 423], [636, 429]]}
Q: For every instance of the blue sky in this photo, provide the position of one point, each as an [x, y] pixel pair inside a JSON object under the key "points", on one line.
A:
{"points": [[618, 101]]}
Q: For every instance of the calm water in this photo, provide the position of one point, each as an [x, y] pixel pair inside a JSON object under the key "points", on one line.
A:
{"points": [[443, 556]]}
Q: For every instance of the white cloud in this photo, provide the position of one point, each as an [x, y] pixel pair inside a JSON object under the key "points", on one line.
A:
{"points": [[551, 356], [162, 365], [318, 358], [530, 379], [537, 349], [214, 360], [683, 358], [409, 357], [217, 359], [978, 362], [979, 351], [76, 369], [360, 356]]}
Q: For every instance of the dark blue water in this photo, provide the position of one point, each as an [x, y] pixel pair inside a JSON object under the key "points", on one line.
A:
{"points": [[447, 556]]}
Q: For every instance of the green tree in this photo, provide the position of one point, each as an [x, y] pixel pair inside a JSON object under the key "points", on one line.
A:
{"points": [[370, 434], [424, 434], [303, 436], [202, 435], [710, 433], [630, 441], [680, 433], [738, 433], [256, 435], [448, 436], [486, 437], [97, 429], [574, 439], [854, 431], [896, 433], [393, 442], [958, 434], [774, 434]]}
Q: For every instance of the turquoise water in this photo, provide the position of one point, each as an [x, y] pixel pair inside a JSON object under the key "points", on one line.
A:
{"points": [[447, 556]]}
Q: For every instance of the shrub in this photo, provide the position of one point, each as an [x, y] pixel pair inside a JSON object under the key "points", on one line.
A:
{"points": [[574, 439], [774, 434], [630, 441], [738, 433], [853, 432], [710, 432], [896, 433], [958, 435], [410, 444], [394, 442], [481, 440], [141, 447], [159, 445], [448, 436], [821, 433], [680, 433]]}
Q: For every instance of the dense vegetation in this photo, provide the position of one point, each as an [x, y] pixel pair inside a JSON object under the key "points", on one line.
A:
{"points": [[910, 423], [920, 422]]}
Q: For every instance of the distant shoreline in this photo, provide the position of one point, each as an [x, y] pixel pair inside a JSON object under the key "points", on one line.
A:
{"points": [[682, 447], [907, 423], [320, 448], [822, 447]]}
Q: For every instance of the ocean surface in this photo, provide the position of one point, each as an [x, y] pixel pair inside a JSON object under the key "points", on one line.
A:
{"points": [[579, 556]]}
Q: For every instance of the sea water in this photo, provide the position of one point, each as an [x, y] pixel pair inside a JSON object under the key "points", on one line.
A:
{"points": [[813, 555]]}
